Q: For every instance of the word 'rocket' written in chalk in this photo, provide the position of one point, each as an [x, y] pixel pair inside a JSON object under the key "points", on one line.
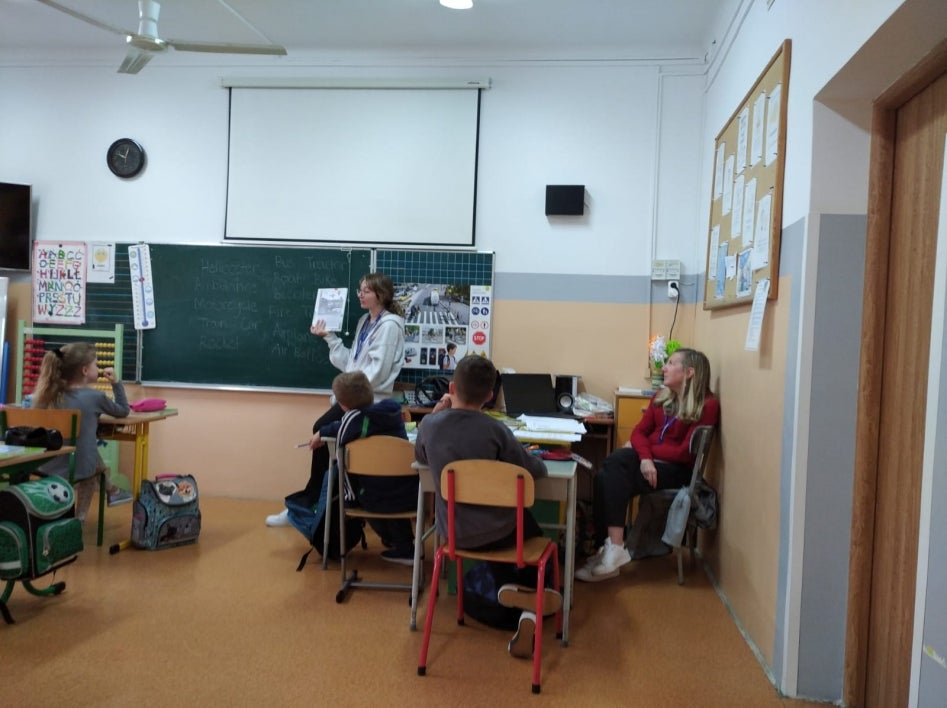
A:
{"points": [[59, 277]]}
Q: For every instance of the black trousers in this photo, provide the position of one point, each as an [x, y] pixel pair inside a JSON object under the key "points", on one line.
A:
{"points": [[320, 456], [620, 480], [508, 573]]}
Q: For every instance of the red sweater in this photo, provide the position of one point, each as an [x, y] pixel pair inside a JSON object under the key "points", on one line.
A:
{"points": [[657, 437]]}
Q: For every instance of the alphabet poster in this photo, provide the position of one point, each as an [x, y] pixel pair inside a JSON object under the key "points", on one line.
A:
{"points": [[59, 282]]}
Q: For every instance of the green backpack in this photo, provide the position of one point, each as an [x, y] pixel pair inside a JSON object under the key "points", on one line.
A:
{"points": [[38, 533]]}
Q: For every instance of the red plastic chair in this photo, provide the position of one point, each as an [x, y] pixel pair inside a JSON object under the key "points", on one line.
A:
{"points": [[492, 483]]}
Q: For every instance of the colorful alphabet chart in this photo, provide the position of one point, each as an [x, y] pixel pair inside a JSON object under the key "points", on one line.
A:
{"points": [[59, 282]]}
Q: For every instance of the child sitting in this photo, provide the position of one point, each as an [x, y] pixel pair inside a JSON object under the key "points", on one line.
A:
{"points": [[458, 430], [65, 379], [354, 394]]}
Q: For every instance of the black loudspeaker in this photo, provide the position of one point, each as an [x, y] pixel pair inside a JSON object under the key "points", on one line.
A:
{"points": [[565, 199], [567, 388]]}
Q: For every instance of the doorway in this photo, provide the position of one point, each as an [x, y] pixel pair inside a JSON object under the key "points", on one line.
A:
{"points": [[907, 158]]}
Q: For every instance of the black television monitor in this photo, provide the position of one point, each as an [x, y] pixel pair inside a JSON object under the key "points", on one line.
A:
{"points": [[16, 205]]}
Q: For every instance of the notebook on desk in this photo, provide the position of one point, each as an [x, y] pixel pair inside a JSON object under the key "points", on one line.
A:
{"points": [[531, 394]]}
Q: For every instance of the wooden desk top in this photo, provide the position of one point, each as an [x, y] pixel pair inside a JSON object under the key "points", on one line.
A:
{"points": [[31, 454], [134, 418]]}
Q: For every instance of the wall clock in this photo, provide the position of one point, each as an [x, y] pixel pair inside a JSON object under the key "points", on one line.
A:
{"points": [[125, 158]]}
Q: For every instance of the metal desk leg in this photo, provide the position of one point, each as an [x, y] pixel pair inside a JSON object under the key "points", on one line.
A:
{"points": [[570, 559], [139, 474]]}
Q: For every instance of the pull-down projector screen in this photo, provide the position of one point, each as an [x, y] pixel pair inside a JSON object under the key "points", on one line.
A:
{"points": [[390, 166]]}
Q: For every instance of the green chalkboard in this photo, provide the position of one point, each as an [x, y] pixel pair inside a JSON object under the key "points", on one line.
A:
{"points": [[240, 315]]}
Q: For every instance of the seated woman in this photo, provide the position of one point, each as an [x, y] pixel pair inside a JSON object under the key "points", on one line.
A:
{"points": [[657, 457]]}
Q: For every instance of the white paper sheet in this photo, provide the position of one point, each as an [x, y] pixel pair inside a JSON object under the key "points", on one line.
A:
{"points": [[330, 306]]}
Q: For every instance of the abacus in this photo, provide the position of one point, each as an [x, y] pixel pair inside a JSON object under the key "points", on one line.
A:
{"points": [[35, 341]]}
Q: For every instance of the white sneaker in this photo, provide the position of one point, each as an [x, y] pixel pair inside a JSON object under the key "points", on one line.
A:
{"points": [[280, 519], [585, 572], [614, 557], [604, 564]]}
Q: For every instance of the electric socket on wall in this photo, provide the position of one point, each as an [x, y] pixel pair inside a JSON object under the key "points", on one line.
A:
{"points": [[673, 291]]}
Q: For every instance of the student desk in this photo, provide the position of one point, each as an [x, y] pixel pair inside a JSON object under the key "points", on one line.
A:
{"points": [[16, 466], [135, 427], [559, 486]]}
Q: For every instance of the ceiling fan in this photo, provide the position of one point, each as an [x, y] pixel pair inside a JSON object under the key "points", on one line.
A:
{"points": [[145, 43]]}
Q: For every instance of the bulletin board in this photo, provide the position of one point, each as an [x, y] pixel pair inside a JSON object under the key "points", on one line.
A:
{"points": [[747, 196]]}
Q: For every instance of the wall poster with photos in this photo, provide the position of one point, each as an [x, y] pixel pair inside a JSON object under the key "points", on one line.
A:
{"points": [[447, 297]]}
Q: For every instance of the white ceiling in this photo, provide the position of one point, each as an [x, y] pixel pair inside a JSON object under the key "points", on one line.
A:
{"points": [[500, 29]]}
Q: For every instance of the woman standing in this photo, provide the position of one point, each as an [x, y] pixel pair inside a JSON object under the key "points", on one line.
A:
{"points": [[377, 351], [657, 456]]}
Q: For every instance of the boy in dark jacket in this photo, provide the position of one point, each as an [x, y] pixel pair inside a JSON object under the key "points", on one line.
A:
{"points": [[363, 418]]}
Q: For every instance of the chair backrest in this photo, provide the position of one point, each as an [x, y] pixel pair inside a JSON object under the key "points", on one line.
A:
{"points": [[65, 420], [487, 483], [700, 447], [380, 456]]}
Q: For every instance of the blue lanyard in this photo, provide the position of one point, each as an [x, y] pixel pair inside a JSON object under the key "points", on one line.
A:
{"points": [[664, 428], [363, 334]]}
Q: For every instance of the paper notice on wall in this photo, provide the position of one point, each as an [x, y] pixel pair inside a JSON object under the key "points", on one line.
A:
{"points": [[772, 124], [712, 252], [743, 121], [756, 129], [755, 327], [718, 171], [101, 267], [59, 282]]}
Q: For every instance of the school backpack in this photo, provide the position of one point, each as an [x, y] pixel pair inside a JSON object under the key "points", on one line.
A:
{"points": [[38, 534], [166, 513], [309, 518]]}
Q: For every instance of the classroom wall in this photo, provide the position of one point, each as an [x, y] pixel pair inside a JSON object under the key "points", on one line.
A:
{"points": [[788, 591]]}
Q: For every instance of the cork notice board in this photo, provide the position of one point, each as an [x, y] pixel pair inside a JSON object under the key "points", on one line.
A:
{"points": [[747, 198]]}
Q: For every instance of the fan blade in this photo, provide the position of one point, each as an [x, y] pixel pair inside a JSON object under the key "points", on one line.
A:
{"points": [[85, 18], [182, 45], [134, 61]]}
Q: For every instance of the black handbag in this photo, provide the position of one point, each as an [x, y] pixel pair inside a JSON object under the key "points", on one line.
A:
{"points": [[31, 436]]}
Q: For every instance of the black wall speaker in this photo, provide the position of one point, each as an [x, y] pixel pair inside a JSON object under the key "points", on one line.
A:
{"points": [[565, 199]]}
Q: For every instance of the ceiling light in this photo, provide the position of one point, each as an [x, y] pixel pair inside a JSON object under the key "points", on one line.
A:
{"points": [[457, 4]]}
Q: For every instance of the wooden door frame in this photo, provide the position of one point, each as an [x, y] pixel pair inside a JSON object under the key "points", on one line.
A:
{"points": [[871, 364]]}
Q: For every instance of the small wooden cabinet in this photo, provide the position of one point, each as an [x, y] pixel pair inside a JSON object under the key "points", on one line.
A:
{"points": [[628, 411]]}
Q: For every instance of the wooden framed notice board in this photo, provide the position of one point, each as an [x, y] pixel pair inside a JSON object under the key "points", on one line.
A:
{"points": [[747, 198]]}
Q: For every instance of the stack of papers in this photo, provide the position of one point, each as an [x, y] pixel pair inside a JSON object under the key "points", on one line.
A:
{"points": [[10, 450], [545, 436], [629, 391], [554, 429]]}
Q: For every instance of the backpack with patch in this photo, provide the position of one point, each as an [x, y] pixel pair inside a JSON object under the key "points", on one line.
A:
{"points": [[166, 513], [308, 516], [38, 534]]}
